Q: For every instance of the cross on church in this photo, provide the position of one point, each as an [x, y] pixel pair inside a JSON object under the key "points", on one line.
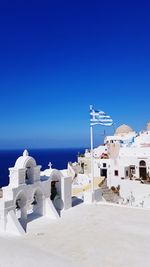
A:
{"points": [[50, 165]]}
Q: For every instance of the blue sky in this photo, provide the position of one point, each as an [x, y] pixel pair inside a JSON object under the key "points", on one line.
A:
{"points": [[58, 57]]}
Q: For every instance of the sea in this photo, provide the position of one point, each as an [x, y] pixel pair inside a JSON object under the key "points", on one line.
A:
{"points": [[58, 157]]}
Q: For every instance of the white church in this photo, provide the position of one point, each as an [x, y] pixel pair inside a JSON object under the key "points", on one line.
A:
{"points": [[31, 194]]}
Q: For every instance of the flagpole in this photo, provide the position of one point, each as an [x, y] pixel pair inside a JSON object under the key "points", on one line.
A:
{"points": [[114, 128], [92, 167], [97, 117]]}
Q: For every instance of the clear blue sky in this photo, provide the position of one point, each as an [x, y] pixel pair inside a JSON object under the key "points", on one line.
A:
{"points": [[58, 57]]}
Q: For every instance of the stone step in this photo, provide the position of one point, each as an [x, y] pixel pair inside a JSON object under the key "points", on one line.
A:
{"points": [[108, 194]]}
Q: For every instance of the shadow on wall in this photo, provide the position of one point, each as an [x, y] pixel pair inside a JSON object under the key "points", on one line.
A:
{"points": [[76, 201]]}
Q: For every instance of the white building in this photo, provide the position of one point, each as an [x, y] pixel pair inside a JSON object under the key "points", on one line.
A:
{"points": [[124, 160], [129, 154], [31, 194]]}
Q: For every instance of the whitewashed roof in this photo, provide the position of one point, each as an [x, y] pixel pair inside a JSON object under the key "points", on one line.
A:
{"points": [[24, 161]]}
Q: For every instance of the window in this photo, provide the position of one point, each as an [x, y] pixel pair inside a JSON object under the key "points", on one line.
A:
{"points": [[142, 163], [116, 173], [104, 165], [132, 169]]}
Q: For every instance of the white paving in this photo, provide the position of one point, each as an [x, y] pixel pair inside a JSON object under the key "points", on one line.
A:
{"points": [[86, 235]]}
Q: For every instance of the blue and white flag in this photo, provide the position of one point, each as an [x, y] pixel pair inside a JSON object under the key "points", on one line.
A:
{"points": [[99, 117]]}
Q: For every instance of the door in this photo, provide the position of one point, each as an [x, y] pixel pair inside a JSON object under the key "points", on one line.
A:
{"points": [[142, 173], [104, 172]]}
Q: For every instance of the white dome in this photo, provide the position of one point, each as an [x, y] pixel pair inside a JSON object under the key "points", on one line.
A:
{"points": [[25, 161], [123, 129]]}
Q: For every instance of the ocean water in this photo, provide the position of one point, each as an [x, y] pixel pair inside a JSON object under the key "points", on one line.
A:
{"points": [[58, 157]]}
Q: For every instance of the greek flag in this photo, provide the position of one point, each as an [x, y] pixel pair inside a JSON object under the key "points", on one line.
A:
{"points": [[99, 117]]}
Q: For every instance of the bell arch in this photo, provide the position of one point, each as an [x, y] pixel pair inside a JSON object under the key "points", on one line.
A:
{"points": [[37, 203], [20, 204], [29, 165], [55, 190]]}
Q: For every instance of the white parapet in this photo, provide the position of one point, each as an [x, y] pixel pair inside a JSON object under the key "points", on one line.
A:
{"points": [[13, 225], [95, 196], [66, 192]]}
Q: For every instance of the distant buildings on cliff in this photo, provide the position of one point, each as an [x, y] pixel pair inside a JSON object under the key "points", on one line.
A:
{"points": [[123, 159]]}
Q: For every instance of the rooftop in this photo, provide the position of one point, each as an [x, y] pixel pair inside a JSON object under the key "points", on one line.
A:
{"points": [[86, 235]]}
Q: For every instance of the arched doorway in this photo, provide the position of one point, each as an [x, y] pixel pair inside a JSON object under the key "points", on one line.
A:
{"points": [[142, 169], [55, 192], [21, 209]]}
